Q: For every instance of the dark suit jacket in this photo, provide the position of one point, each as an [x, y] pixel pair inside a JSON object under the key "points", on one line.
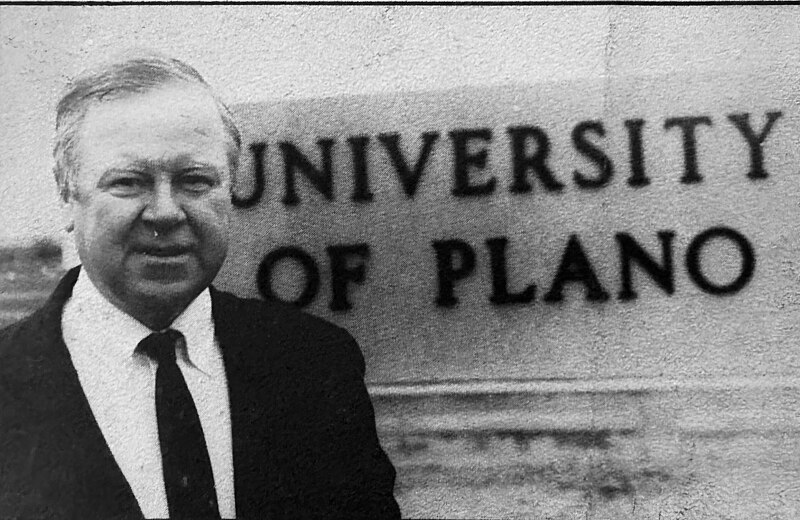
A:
{"points": [[304, 439]]}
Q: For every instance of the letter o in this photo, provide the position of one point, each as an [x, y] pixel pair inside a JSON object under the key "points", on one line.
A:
{"points": [[696, 273], [305, 260]]}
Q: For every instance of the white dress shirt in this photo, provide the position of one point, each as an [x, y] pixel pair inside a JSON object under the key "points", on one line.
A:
{"points": [[120, 387]]}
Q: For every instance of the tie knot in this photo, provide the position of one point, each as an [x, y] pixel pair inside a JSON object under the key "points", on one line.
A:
{"points": [[161, 346]]}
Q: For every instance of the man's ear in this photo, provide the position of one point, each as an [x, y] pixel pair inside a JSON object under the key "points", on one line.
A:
{"points": [[68, 213]]}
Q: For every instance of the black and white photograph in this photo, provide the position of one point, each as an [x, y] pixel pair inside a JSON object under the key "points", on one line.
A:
{"points": [[400, 261]]}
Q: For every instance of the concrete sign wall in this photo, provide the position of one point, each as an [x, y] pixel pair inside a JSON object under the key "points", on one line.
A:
{"points": [[639, 226]]}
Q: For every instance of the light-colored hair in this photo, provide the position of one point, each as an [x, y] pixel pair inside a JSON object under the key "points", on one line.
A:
{"points": [[136, 73]]}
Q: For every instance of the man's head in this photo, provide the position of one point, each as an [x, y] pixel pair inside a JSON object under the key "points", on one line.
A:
{"points": [[144, 158]]}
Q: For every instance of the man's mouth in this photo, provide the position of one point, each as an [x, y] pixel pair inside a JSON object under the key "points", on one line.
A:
{"points": [[165, 251]]}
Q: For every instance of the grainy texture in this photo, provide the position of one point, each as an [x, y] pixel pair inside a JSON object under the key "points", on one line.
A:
{"points": [[707, 451], [719, 441], [661, 454], [258, 53]]}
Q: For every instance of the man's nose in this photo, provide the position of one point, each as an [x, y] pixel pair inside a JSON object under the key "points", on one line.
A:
{"points": [[163, 210]]}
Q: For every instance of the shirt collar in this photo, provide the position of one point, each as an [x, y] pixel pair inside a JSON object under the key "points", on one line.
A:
{"points": [[197, 326], [119, 333]]}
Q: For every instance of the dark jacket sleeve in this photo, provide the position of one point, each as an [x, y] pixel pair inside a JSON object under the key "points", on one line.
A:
{"points": [[305, 419], [361, 477]]}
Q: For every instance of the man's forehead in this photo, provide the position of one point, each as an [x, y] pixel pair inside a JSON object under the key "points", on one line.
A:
{"points": [[186, 109], [175, 127], [180, 99]]}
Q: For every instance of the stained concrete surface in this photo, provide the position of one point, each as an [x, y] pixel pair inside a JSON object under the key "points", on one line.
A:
{"points": [[657, 469]]}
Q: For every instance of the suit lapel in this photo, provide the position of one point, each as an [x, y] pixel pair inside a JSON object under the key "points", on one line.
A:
{"points": [[86, 480], [81, 477], [242, 343]]}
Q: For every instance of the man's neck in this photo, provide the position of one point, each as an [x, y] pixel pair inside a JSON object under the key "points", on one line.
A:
{"points": [[155, 314], [155, 321]]}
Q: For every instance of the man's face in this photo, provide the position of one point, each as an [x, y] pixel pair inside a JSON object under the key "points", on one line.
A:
{"points": [[151, 200]]}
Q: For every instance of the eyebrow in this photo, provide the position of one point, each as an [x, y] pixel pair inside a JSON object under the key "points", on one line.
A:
{"points": [[177, 163]]}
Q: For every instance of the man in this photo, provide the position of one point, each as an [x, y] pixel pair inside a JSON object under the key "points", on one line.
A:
{"points": [[139, 389]]}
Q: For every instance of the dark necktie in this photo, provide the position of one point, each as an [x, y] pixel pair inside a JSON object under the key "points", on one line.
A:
{"points": [[188, 478]]}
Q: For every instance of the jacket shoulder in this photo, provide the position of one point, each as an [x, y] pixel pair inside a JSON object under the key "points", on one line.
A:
{"points": [[277, 316], [12, 332], [20, 346], [29, 366], [284, 327], [35, 337]]}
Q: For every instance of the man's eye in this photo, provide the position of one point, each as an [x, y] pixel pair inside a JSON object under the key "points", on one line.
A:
{"points": [[197, 183], [127, 184]]}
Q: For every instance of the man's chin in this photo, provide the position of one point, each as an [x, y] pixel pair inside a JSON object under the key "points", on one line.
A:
{"points": [[170, 294], [167, 288]]}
